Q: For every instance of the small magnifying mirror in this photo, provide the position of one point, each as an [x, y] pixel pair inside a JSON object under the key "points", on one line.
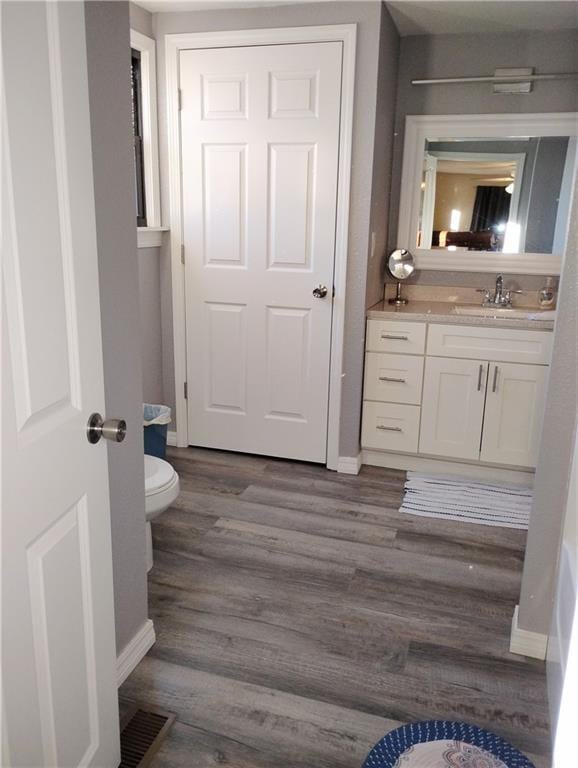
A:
{"points": [[400, 265]]}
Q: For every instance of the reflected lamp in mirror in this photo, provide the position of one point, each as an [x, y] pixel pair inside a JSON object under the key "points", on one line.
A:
{"points": [[477, 187], [400, 265]]}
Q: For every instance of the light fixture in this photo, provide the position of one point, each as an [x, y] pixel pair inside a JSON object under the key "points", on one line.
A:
{"points": [[455, 217]]}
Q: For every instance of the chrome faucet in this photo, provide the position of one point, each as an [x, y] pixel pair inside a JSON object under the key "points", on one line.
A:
{"points": [[501, 297]]}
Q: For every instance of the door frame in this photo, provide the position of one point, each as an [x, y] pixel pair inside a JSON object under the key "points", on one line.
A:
{"points": [[174, 44]]}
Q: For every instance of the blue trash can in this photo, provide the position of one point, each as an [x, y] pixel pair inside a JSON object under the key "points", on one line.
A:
{"points": [[156, 420]]}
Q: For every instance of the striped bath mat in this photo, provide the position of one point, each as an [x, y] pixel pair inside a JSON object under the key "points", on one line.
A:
{"points": [[454, 498]]}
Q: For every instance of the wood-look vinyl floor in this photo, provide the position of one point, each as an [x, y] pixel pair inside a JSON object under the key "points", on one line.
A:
{"points": [[300, 616]]}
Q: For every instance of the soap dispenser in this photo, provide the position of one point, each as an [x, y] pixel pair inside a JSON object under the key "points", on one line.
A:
{"points": [[546, 295]]}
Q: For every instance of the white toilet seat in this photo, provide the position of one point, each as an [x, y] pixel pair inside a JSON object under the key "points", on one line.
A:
{"points": [[161, 490], [158, 474]]}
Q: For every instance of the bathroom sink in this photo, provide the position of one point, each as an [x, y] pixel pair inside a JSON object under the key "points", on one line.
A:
{"points": [[517, 314]]}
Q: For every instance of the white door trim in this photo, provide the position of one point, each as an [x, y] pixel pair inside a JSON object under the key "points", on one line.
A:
{"points": [[174, 43]]}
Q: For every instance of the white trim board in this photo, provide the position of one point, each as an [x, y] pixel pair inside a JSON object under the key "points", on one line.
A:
{"points": [[174, 43], [527, 643], [415, 463], [150, 237], [349, 465], [418, 128], [135, 651], [171, 437]]}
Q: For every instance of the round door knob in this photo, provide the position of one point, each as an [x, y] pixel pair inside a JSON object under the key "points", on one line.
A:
{"points": [[111, 429], [320, 292]]}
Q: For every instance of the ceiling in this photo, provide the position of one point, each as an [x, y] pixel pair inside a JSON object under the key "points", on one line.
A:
{"points": [[428, 17], [440, 18], [475, 168]]}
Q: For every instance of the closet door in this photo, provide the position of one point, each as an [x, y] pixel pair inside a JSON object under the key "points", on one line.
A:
{"points": [[260, 141], [453, 407], [514, 411]]}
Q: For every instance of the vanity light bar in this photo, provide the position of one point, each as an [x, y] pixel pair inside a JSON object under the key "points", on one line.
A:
{"points": [[497, 79]]}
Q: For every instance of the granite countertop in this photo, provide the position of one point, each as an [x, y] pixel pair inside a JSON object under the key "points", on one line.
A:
{"points": [[441, 312]]}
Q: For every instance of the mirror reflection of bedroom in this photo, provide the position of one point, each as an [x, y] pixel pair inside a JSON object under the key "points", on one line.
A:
{"points": [[494, 195]]}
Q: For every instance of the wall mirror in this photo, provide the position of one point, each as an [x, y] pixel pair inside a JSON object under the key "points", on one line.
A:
{"points": [[488, 192]]}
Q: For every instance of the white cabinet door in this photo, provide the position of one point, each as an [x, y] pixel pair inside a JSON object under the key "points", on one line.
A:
{"points": [[259, 138], [514, 411], [453, 407], [59, 686]]}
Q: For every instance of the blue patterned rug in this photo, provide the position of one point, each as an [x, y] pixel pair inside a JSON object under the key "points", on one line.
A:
{"points": [[444, 744]]}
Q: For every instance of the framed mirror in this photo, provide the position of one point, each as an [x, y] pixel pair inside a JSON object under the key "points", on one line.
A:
{"points": [[488, 193]]}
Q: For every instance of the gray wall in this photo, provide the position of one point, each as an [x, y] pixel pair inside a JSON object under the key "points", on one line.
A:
{"points": [[382, 157], [107, 37], [148, 259], [471, 55], [368, 16], [555, 458], [140, 20]]}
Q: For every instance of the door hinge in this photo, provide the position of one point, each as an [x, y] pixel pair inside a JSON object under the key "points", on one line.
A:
{"points": [[182, 254], [185, 391], [180, 98]]}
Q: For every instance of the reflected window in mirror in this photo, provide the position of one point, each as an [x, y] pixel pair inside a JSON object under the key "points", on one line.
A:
{"points": [[495, 194]]}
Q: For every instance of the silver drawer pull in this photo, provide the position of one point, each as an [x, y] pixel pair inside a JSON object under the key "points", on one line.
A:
{"points": [[495, 382], [392, 336], [480, 374], [391, 378], [389, 429]]}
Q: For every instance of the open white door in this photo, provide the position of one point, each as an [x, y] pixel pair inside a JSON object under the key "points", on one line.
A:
{"points": [[562, 658], [58, 650]]}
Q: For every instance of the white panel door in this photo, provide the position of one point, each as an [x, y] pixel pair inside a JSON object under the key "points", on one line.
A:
{"points": [[58, 651], [514, 410], [259, 133], [453, 407]]}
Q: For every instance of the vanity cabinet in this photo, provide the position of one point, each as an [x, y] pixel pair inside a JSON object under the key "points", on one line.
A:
{"points": [[473, 394]]}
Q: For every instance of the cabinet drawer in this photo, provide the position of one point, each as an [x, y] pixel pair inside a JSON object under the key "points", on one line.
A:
{"points": [[391, 336], [393, 378], [390, 427], [499, 344]]}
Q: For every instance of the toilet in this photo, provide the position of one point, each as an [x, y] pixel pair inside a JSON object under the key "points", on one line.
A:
{"points": [[161, 490]]}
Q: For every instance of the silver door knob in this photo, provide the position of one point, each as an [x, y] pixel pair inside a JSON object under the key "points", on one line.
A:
{"points": [[320, 292], [110, 429]]}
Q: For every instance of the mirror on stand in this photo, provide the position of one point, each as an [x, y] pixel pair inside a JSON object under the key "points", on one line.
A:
{"points": [[401, 266]]}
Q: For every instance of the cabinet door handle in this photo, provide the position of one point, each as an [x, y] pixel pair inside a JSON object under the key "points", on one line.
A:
{"points": [[391, 378], [392, 336], [389, 429], [495, 381], [480, 375]]}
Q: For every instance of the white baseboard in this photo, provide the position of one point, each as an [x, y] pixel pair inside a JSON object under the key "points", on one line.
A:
{"points": [[446, 466], [527, 643], [171, 437], [135, 651], [349, 465]]}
